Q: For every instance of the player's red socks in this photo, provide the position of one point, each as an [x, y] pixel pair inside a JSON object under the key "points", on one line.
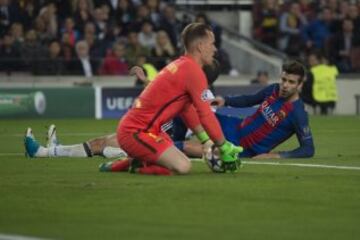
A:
{"points": [[120, 165], [154, 170], [138, 167]]}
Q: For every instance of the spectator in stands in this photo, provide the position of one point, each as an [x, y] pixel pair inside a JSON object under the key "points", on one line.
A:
{"points": [[343, 10], [53, 64], [266, 22], [147, 36], [17, 32], [115, 32], [154, 9], [30, 12], [82, 13], [316, 34], [42, 33], [308, 9], [69, 28], [124, 14], [64, 8], [170, 24], [134, 49], [68, 54], [9, 13], [9, 55], [112, 5], [82, 65], [97, 47], [354, 16], [164, 51], [262, 78], [32, 51], [115, 62], [291, 23], [90, 29], [100, 23], [142, 15], [342, 45], [48, 14]]}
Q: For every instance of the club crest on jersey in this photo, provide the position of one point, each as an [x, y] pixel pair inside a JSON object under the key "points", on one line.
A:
{"points": [[207, 95]]}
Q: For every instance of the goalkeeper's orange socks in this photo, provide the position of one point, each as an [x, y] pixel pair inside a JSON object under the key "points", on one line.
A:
{"points": [[120, 165], [134, 166]]}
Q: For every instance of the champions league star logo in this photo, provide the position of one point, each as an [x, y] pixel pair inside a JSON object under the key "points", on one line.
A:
{"points": [[207, 95]]}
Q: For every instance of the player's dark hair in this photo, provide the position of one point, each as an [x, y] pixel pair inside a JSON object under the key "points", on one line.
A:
{"points": [[192, 32], [296, 68]]}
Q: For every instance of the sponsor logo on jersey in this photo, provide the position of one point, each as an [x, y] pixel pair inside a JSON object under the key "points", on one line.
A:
{"points": [[270, 116]]}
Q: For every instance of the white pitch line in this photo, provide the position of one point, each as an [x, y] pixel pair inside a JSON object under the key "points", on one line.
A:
{"points": [[11, 154], [17, 237], [302, 165], [296, 165]]}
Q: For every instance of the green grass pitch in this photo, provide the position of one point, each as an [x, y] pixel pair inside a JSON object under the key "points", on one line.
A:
{"points": [[69, 199]]}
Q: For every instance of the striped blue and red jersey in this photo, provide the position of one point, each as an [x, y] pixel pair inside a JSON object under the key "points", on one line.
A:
{"points": [[274, 121]]}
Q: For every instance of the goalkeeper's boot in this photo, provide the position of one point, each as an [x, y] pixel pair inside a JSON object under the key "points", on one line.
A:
{"points": [[105, 167], [31, 145], [121, 165], [51, 136]]}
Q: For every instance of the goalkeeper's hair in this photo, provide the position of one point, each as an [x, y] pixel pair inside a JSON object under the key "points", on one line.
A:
{"points": [[295, 67], [193, 32]]}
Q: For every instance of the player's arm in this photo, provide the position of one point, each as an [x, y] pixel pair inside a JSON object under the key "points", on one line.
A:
{"points": [[249, 100], [304, 136], [196, 87]]}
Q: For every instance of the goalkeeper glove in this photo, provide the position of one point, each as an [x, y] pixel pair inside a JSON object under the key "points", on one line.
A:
{"points": [[229, 154]]}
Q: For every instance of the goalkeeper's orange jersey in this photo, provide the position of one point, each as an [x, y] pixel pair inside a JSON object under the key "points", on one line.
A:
{"points": [[179, 89]]}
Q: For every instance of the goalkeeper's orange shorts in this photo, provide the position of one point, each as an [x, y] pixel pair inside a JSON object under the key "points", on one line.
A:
{"points": [[144, 146]]}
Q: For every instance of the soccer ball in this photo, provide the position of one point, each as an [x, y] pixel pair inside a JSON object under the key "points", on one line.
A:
{"points": [[212, 159]]}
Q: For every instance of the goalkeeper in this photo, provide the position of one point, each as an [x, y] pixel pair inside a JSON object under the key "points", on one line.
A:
{"points": [[176, 91]]}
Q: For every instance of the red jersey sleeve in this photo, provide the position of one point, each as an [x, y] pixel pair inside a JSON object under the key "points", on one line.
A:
{"points": [[196, 86]]}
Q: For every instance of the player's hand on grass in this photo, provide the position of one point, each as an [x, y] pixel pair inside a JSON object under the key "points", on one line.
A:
{"points": [[229, 154]]}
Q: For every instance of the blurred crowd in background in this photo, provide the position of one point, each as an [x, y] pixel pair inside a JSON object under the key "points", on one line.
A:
{"points": [[93, 37], [107, 37], [300, 28]]}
